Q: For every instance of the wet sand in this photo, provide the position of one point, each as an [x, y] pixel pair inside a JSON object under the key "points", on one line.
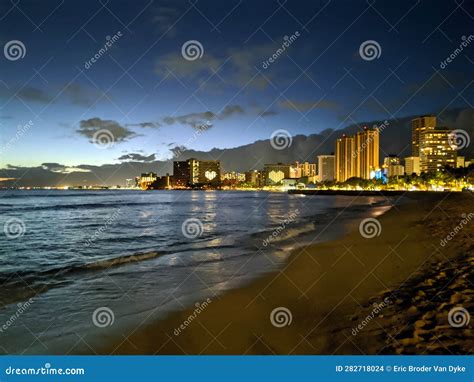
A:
{"points": [[390, 294]]}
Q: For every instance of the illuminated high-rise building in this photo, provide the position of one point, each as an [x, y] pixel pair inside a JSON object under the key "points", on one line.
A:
{"points": [[412, 165], [306, 169], [255, 178], [392, 167], [436, 151], [461, 161], [194, 172], [326, 167], [366, 152], [395, 170], [146, 179], [345, 158], [390, 160], [275, 173], [418, 127]]}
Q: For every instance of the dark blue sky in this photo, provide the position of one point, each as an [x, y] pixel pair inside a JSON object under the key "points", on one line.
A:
{"points": [[151, 98]]}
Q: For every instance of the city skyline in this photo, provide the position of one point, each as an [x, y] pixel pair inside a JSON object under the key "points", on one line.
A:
{"points": [[356, 159]]}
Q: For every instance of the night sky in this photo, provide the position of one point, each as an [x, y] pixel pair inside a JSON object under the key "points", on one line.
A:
{"points": [[152, 99]]}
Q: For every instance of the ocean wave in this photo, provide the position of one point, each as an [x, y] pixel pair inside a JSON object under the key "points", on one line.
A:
{"points": [[83, 206], [8, 278]]}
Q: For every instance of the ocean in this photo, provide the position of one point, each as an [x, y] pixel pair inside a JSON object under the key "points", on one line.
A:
{"points": [[81, 267]]}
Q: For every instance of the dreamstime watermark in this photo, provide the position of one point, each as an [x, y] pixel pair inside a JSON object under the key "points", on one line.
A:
{"points": [[370, 228], [14, 228], [287, 41], [377, 308], [110, 41], [380, 128], [14, 50], [277, 231], [192, 228], [466, 218], [197, 311], [459, 139], [192, 50], [45, 370], [103, 139], [21, 131], [103, 317], [458, 317], [22, 307], [281, 139], [199, 130], [370, 50], [465, 42], [280, 317], [98, 232]]}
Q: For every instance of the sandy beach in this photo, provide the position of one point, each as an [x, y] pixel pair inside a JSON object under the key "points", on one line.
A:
{"points": [[390, 294]]}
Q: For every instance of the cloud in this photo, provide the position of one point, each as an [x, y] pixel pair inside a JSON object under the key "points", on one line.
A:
{"points": [[137, 157], [177, 151], [165, 17], [230, 110], [195, 120], [308, 105], [61, 169], [268, 113], [145, 124], [79, 95], [89, 127], [260, 111], [29, 94], [74, 93], [202, 120], [240, 65]]}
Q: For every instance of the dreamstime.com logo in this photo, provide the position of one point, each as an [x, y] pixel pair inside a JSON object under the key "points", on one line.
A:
{"points": [[44, 370], [458, 317], [192, 228], [21, 308], [287, 41], [110, 41], [459, 139], [111, 220], [103, 317], [370, 228], [465, 219], [196, 312], [14, 228], [370, 139], [103, 139], [14, 50], [377, 308], [281, 139], [465, 42], [277, 231], [370, 50], [192, 50], [20, 132], [280, 317]]}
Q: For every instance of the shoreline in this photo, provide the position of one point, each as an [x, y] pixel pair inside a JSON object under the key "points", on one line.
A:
{"points": [[329, 288], [306, 191], [417, 193]]}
